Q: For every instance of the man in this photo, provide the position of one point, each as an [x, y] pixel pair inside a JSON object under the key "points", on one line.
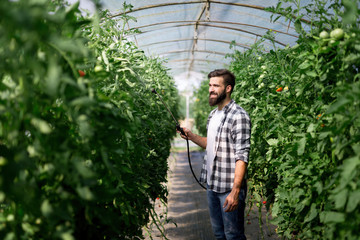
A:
{"points": [[227, 147]]}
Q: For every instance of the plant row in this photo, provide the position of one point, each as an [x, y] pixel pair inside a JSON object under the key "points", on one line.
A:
{"points": [[83, 141], [304, 103]]}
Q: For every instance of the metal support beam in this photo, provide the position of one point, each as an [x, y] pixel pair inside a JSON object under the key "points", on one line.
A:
{"points": [[194, 43], [201, 39], [215, 26], [199, 2], [200, 51], [189, 2], [196, 60], [217, 22]]}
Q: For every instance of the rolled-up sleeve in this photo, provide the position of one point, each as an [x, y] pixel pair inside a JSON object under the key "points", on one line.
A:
{"points": [[240, 133]]}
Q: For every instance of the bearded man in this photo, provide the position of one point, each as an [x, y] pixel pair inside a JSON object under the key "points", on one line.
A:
{"points": [[227, 147]]}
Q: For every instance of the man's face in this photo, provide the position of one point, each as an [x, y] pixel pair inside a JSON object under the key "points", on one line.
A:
{"points": [[217, 90]]}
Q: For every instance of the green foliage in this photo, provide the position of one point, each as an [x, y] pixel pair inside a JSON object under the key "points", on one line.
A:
{"points": [[81, 153], [201, 107], [305, 111]]}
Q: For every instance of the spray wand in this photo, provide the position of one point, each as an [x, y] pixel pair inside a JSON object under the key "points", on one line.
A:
{"points": [[177, 123]]}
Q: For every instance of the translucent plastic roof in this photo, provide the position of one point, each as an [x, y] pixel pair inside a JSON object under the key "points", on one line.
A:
{"points": [[195, 36]]}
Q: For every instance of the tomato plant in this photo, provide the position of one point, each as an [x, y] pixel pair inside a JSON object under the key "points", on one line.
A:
{"points": [[201, 107], [304, 105], [83, 141]]}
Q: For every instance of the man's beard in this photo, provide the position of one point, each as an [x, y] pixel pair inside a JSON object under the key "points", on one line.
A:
{"points": [[219, 99]]}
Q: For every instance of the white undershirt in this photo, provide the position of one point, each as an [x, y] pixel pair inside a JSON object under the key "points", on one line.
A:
{"points": [[210, 143]]}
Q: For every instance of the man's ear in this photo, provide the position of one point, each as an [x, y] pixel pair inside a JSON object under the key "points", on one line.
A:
{"points": [[228, 88]]}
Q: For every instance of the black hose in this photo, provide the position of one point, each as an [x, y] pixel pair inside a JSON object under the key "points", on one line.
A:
{"points": [[182, 132], [192, 171]]}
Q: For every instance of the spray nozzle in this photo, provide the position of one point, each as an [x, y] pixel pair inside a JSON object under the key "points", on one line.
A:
{"points": [[180, 129]]}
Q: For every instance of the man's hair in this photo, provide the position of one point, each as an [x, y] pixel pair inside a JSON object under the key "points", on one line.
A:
{"points": [[229, 78]]}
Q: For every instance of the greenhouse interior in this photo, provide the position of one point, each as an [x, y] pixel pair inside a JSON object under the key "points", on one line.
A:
{"points": [[95, 96]]}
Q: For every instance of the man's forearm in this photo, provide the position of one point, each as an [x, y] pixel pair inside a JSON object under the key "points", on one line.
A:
{"points": [[232, 200], [240, 170], [201, 141]]}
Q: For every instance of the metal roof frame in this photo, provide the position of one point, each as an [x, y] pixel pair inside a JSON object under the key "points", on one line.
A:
{"points": [[200, 32], [216, 26], [205, 22]]}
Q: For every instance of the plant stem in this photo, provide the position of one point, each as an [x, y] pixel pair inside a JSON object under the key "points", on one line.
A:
{"points": [[155, 221], [260, 222]]}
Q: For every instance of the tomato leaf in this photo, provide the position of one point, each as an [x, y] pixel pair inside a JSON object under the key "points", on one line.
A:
{"points": [[332, 217], [354, 201], [301, 146], [272, 141], [336, 106], [311, 214]]}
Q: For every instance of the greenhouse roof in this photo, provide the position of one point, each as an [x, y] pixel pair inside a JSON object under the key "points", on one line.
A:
{"points": [[194, 36]]}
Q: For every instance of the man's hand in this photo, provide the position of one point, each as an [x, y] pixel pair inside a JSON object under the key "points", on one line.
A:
{"points": [[232, 201], [201, 141], [187, 132]]}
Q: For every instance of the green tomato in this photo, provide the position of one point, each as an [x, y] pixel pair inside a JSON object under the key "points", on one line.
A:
{"points": [[331, 42], [324, 35], [98, 68], [2, 161], [337, 33], [10, 217]]}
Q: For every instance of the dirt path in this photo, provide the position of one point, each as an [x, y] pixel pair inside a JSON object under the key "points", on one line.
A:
{"points": [[187, 205], [187, 201]]}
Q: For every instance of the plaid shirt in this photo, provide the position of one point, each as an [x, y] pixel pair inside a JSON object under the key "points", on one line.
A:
{"points": [[232, 143]]}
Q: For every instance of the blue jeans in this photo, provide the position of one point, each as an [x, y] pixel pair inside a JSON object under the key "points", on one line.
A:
{"points": [[227, 225]]}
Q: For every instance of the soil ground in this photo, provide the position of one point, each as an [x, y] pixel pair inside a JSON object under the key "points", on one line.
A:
{"points": [[187, 216]]}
